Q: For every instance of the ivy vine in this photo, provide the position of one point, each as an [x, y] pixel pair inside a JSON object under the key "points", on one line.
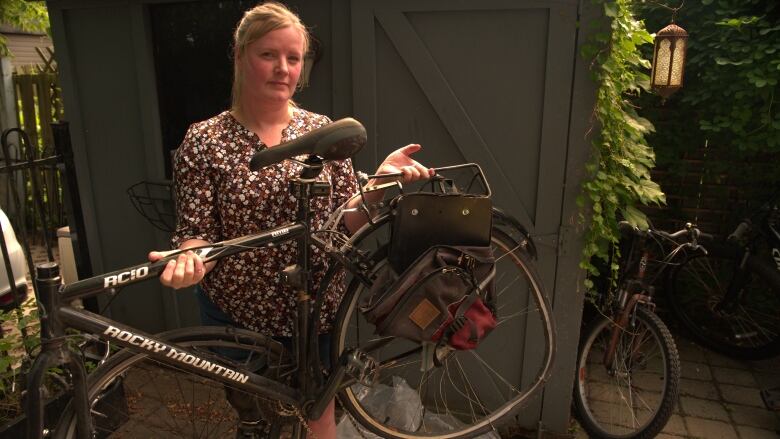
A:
{"points": [[619, 170]]}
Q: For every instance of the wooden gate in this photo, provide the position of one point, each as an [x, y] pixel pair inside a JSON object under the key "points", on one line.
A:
{"points": [[487, 82]]}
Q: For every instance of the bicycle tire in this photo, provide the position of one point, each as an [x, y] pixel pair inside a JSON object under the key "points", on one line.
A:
{"points": [[746, 329], [527, 310], [605, 400], [159, 400]]}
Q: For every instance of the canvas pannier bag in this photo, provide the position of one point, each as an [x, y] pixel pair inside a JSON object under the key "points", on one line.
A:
{"points": [[445, 296]]}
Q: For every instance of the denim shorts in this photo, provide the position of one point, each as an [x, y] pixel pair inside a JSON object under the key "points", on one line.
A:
{"points": [[212, 315]]}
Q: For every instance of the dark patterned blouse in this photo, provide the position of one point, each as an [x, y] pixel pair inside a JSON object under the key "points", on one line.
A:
{"points": [[219, 198]]}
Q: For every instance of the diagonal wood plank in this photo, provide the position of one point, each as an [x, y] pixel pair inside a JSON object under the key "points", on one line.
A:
{"points": [[446, 104]]}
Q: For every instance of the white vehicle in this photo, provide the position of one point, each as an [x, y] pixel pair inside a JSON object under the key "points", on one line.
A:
{"points": [[18, 266]]}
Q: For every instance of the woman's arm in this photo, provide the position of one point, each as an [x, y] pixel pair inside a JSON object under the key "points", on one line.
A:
{"points": [[197, 216]]}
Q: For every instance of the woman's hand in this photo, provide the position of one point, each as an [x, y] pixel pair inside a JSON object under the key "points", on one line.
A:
{"points": [[400, 160], [186, 270]]}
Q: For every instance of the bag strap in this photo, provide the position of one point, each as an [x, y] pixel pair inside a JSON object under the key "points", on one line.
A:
{"points": [[460, 320]]}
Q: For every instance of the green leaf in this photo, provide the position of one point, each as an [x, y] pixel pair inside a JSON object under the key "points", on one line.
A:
{"points": [[768, 30], [610, 9], [635, 217]]}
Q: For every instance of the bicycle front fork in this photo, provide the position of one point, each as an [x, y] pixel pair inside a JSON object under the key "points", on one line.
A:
{"points": [[622, 320]]}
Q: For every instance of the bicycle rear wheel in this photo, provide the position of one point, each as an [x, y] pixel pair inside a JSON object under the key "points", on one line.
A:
{"points": [[468, 392], [635, 395], [134, 396], [745, 324]]}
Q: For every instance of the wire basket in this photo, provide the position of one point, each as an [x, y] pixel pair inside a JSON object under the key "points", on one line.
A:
{"points": [[155, 201]]}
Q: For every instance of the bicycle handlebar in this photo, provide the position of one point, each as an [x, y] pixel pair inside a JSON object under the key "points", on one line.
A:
{"points": [[336, 141], [691, 231]]}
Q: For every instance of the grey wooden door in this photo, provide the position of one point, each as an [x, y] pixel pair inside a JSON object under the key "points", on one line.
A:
{"points": [[487, 81]]}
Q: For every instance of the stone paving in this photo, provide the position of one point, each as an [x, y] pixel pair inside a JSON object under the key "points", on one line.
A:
{"points": [[719, 397]]}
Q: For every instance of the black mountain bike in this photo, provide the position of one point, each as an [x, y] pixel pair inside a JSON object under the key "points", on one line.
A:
{"points": [[628, 368], [174, 384], [729, 299]]}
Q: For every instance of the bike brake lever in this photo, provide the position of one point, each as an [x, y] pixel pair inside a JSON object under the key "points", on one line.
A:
{"points": [[697, 247]]}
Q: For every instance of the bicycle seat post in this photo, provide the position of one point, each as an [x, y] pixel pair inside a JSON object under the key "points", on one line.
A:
{"points": [[298, 276]]}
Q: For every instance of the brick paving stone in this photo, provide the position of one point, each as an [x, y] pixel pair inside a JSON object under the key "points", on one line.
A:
{"points": [[703, 408], [690, 351], [699, 389], [741, 395], [755, 433], [696, 371], [771, 365], [716, 359], [767, 380], [675, 426], [669, 436], [708, 429], [727, 375], [752, 416]]}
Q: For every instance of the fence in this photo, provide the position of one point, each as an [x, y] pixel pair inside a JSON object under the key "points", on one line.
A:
{"points": [[38, 105]]}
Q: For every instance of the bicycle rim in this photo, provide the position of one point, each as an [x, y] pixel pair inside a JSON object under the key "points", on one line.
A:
{"points": [[133, 396], [634, 397], [747, 326], [470, 391]]}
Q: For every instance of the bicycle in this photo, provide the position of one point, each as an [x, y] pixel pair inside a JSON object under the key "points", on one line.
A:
{"points": [[173, 383], [729, 299], [628, 367]]}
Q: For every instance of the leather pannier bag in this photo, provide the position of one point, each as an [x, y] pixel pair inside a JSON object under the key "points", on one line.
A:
{"points": [[445, 296]]}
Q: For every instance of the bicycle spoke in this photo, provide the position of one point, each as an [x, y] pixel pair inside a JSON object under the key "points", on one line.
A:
{"points": [[462, 390], [625, 398]]}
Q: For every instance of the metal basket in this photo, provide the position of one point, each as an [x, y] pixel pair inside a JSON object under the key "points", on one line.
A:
{"points": [[155, 201]]}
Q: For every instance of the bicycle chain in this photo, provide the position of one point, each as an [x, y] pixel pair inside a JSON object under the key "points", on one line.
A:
{"points": [[295, 411]]}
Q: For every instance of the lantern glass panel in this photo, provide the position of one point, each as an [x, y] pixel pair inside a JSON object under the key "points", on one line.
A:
{"points": [[677, 62], [662, 61]]}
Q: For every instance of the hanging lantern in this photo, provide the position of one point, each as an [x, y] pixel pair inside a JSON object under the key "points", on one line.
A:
{"points": [[669, 60]]}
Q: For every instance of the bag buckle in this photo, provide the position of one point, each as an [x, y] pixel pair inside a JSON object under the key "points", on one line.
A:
{"points": [[466, 262], [457, 324]]}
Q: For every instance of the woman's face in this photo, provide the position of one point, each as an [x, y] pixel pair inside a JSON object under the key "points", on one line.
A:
{"points": [[272, 65]]}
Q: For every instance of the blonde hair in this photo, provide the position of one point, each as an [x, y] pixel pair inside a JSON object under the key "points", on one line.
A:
{"points": [[255, 24]]}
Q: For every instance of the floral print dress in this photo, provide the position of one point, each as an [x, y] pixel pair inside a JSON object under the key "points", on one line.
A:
{"points": [[219, 198]]}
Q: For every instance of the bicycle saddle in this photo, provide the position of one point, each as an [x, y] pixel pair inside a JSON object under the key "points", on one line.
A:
{"points": [[336, 141]]}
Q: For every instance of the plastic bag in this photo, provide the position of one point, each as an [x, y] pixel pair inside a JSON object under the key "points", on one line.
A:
{"points": [[401, 407]]}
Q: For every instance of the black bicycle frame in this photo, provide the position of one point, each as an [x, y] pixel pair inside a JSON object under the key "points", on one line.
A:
{"points": [[56, 315]]}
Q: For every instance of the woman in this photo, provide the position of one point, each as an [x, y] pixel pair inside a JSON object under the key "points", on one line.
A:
{"points": [[219, 198]]}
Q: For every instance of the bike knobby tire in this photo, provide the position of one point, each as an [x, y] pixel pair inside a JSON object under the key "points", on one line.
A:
{"points": [[746, 325], [461, 393], [131, 395], [634, 396]]}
